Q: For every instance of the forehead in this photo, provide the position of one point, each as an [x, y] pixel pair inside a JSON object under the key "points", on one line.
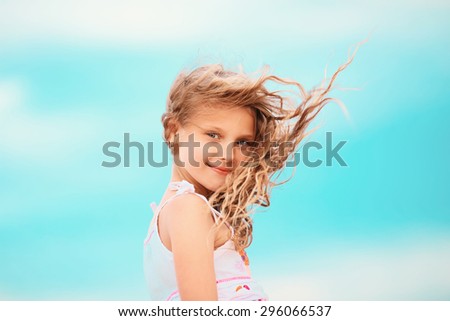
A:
{"points": [[226, 117]]}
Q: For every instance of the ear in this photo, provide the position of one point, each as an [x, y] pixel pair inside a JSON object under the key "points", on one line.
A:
{"points": [[172, 127]]}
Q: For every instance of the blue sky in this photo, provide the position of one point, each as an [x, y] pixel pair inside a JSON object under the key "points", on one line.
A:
{"points": [[76, 75]]}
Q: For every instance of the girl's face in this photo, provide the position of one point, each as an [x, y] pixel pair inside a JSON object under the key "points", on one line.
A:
{"points": [[213, 143]]}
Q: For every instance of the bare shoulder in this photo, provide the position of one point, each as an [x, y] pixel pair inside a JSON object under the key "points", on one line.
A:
{"points": [[186, 205], [187, 212]]}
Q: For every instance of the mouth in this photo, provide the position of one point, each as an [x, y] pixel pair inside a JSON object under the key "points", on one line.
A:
{"points": [[220, 170]]}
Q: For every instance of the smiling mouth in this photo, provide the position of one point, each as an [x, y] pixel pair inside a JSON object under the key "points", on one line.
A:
{"points": [[220, 170]]}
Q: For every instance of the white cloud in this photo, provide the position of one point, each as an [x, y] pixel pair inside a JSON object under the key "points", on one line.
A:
{"points": [[159, 23], [415, 268], [141, 22], [11, 95]]}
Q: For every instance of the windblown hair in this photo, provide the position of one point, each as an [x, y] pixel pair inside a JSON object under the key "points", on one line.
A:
{"points": [[280, 127]]}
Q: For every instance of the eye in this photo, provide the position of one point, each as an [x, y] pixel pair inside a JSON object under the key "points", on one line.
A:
{"points": [[247, 144], [242, 143], [213, 135]]}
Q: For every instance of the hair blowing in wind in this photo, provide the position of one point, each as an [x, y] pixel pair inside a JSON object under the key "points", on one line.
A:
{"points": [[281, 126]]}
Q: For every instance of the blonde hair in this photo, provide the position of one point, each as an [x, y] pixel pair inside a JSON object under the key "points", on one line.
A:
{"points": [[276, 125]]}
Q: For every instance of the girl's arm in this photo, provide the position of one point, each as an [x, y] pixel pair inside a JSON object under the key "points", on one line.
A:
{"points": [[189, 220]]}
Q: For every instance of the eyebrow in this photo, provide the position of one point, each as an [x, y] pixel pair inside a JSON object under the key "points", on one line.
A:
{"points": [[246, 136]]}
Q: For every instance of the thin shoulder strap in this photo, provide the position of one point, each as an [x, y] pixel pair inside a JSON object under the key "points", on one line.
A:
{"points": [[156, 211], [184, 187]]}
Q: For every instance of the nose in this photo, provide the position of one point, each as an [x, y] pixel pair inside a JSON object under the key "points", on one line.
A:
{"points": [[222, 155]]}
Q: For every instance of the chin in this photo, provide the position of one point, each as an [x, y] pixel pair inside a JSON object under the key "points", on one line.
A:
{"points": [[213, 183]]}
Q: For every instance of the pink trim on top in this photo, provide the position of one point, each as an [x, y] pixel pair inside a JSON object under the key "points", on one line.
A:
{"points": [[217, 282], [234, 278], [149, 238], [154, 208]]}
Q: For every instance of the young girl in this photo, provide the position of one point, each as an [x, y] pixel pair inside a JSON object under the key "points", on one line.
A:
{"points": [[228, 135]]}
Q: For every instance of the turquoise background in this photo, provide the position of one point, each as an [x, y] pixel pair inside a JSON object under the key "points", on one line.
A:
{"points": [[77, 74]]}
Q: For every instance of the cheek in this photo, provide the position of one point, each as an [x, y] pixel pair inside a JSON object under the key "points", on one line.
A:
{"points": [[196, 156], [183, 157], [189, 152], [191, 157], [211, 151], [243, 155], [239, 156]]}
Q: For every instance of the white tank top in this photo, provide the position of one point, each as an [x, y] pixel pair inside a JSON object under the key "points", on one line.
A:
{"points": [[233, 278]]}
